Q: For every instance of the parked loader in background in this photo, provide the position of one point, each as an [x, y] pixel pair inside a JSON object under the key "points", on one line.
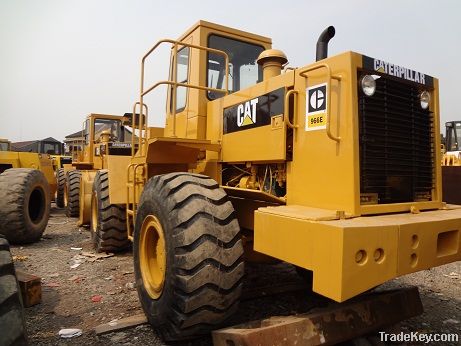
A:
{"points": [[45, 146], [27, 186], [104, 135], [55, 149], [331, 167], [451, 163]]}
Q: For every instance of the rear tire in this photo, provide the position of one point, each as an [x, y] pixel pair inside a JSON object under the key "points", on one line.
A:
{"points": [[73, 193], [24, 204], [193, 281], [61, 180], [108, 221], [11, 310]]}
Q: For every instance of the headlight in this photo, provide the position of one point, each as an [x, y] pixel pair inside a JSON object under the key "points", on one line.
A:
{"points": [[425, 98], [368, 85]]}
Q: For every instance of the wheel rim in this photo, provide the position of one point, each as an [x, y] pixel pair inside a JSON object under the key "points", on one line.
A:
{"points": [[94, 214], [152, 256]]}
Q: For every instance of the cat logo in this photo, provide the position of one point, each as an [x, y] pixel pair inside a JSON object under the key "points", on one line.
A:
{"points": [[246, 113], [316, 107], [253, 112]]}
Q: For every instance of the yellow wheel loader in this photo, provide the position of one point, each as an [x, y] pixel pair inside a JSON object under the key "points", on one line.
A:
{"points": [[104, 135], [332, 167], [27, 186], [56, 151]]}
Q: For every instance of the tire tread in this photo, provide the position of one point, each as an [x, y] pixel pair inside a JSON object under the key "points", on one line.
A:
{"points": [[208, 268]]}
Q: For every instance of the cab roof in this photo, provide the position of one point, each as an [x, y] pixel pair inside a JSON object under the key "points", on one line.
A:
{"points": [[225, 29]]}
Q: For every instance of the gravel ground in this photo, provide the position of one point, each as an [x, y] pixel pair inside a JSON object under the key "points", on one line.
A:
{"points": [[80, 290]]}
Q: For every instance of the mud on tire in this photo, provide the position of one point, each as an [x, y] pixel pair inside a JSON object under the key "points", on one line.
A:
{"points": [[73, 193], [11, 311], [108, 221], [61, 180], [204, 255], [24, 204]]}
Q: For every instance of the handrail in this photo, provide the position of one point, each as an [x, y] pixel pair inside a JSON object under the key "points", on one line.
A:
{"points": [[174, 81], [80, 143], [186, 85], [286, 109], [141, 123], [302, 72], [133, 167], [133, 128]]}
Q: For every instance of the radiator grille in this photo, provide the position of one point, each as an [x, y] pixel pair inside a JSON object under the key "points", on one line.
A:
{"points": [[396, 143]]}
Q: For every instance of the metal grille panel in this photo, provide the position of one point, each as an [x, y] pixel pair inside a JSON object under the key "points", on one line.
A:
{"points": [[396, 143]]}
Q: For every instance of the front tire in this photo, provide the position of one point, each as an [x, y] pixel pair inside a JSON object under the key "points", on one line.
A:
{"points": [[108, 221], [24, 204], [72, 193], [188, 255], [61, 180]]}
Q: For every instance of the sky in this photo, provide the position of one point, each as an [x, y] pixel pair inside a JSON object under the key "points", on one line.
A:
{"points": [[61, 60]]}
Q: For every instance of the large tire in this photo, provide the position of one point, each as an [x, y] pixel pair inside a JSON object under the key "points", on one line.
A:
{"points": [[72, 193], [61, 180], [11, 312], [108, 221], [188, 255], [24, 204]]}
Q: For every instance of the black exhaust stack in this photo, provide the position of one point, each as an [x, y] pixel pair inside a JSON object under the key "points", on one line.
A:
{"points": [[322, 43]]}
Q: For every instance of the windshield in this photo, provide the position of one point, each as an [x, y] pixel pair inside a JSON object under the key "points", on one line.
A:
{"points": [[4, 146], [113, 126], [52, 148], [243, 69]]}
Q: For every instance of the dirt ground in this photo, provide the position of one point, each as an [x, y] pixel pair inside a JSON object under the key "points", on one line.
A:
{"points": [[81, 290]]}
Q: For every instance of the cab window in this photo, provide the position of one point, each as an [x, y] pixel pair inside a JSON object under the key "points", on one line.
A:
{"points": [[51, 148], [182, 75], [113, 126], [86, 131], [243, 69]]}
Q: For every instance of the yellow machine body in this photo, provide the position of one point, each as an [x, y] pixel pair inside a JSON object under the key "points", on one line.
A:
{"points": [[98, 129], [104, 134], [59, 161], [42, 162], [350, 256], [293, 169]]}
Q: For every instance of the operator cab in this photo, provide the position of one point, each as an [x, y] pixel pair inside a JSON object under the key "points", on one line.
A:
{"points": [[195, 66], [95, 126], [101, 130], [52, 148], [4, 145]]}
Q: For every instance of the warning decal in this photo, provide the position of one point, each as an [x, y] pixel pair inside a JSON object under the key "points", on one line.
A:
{"points": [[316, 107]]}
